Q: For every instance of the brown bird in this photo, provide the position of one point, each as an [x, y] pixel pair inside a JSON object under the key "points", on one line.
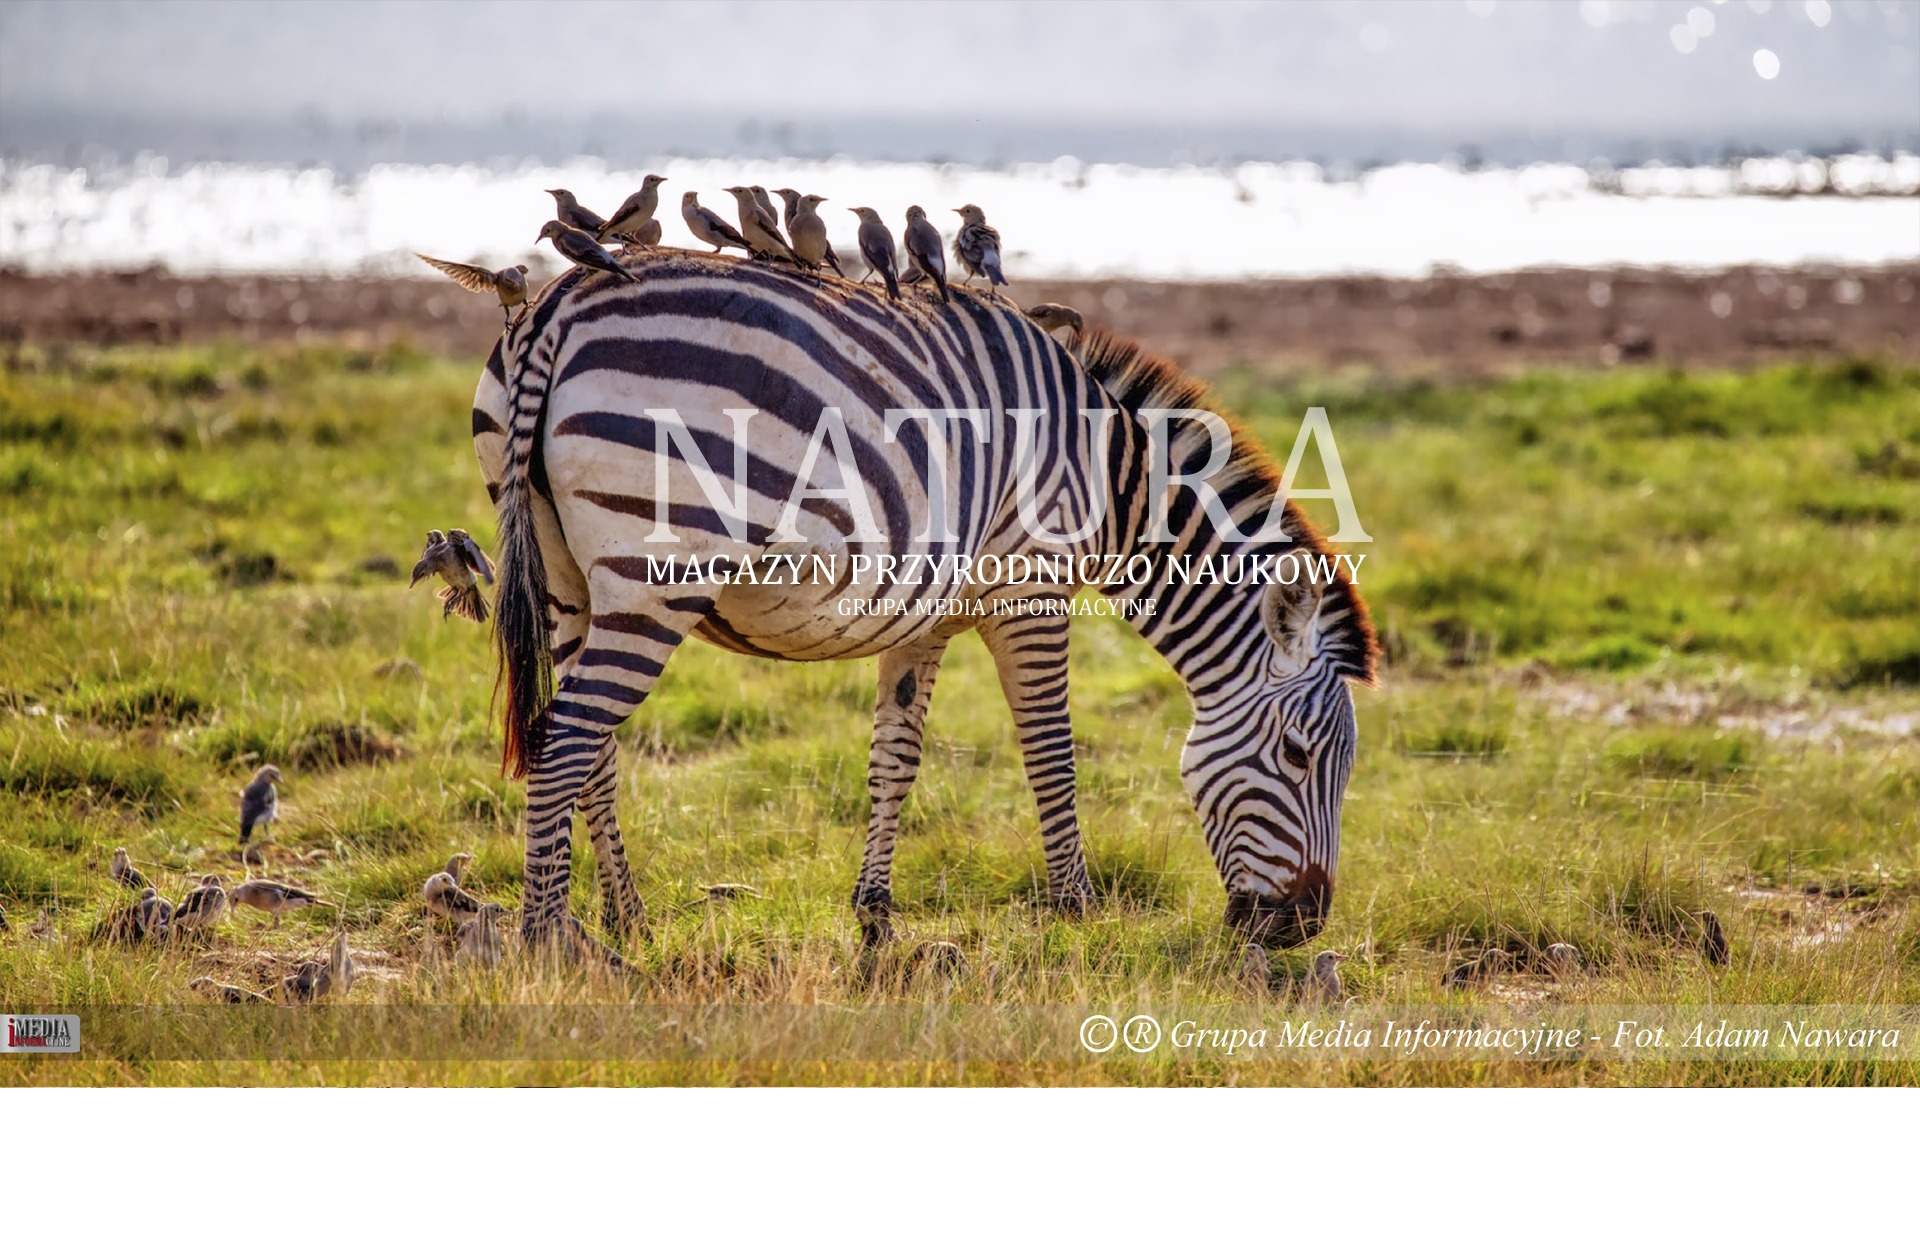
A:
{"points": [[730, 892], [1255, 972], [1713, 941], [978, 246], [479, 937], [1489, 963], [275, 899], [1322, 983], [928, 251], [942, 956], [876, 246], [508, 284], [231, 994], [308, 983], [1562, 958], [201, 908], [709, 227], [125, 872], [259, 804], [447, 900], [457, 560], [338, 979], [570, 212], [579, 247], [1052, 317], [154, 915], [759, 225], [456, 864], [635, 213], [809, 232]]}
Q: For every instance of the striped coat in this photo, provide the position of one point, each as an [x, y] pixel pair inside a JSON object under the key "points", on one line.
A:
{"points": [[606, 426]]}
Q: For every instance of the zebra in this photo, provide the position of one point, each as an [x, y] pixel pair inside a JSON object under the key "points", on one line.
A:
{"points": [[604, 424]]}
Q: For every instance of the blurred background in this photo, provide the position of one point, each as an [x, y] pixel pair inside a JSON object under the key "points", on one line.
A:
{"points": [[1206, 145]]}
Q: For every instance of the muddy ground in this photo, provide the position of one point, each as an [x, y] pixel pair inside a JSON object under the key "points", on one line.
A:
{"points": [[1447, 323]]}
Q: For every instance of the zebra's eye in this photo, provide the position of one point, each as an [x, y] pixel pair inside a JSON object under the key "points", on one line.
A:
{"points": [[1295, 752]]}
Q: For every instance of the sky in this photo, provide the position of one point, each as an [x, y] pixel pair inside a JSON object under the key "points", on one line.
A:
{"points": [[347, 83]]}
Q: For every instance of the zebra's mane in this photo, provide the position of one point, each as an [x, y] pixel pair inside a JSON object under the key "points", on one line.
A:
{"points": [[1136, 379]]}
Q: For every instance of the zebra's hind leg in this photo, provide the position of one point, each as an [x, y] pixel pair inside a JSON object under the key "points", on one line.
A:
{"points": [[623, 654], [899, 720], [621, 910], [1030, 654]]}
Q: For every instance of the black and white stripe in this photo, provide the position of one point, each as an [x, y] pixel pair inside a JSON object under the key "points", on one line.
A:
{"points": [[566, 425]]}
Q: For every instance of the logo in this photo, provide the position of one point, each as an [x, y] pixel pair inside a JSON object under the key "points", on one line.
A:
{"points": [[1100, 1033], [1142, 1033], [41, 1034]]}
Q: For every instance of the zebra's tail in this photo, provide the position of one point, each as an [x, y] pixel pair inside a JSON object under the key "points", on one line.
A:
{"points": [[520, 616]]}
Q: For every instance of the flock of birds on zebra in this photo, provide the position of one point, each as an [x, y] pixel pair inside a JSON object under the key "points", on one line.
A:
{"points": [[796, 235]]}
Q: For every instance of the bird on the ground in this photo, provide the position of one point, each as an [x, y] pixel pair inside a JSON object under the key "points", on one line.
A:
{"points": [[339, 970], [928, 251], [154, 915], [447, 900], [709, 227], [978, 246], [635, 213], [125, 873], [231, 994], [260, 804], [876, 246], [1490, 963], [203, 907], [944, 957], [508, 284], [578, 247], [1322, 983], [759, 226], [1254, 970], [456, 864], [731, 892], [1562, 958], [809, 233], [479, 937], [270, 898], [457, 560], [1052, 317], [569, 211], [1713, 941], [305, 985]]}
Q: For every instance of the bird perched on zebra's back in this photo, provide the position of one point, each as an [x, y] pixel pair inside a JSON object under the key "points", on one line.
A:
{"points": [[125, 873], [508, 284], [709, 227], [876, 246], [260, 803], [457, 560], [765, 202], [978, 246], [1322, 983], [568, 211], [1052, 317], [635, 214], [231, 994], [201, 908], [809, 232], [447, 900], [927, 250], [479, 937], [275, 899], [759, 226], [580, 248]]}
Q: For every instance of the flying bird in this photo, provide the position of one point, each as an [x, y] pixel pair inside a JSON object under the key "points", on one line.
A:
{"points": [[457, 560], [447, 900], [579, 247], [928, 251], [876, 246], [259, 804], [709, 227], [978, 246], [635, 214], [759, 226], [275, 899], [1323, 979], [125, 872], [569, 211], [508, 284]]}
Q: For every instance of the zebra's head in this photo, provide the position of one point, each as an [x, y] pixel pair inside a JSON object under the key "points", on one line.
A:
{"points": [[1271, 748]]}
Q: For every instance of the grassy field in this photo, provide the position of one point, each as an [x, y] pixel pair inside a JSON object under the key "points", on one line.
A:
{"points": [[1653, 647]]}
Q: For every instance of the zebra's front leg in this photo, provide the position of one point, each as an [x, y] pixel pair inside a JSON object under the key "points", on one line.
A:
{"points": [[1030, 654], [623, 655], [621, 910], [899, 721]]}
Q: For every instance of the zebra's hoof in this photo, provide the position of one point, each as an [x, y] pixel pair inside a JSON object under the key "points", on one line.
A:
{"points": [[1073, 903], [570, 939], [876, 924]]}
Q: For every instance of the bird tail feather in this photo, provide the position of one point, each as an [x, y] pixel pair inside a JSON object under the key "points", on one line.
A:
{"points": [[467, 601]]}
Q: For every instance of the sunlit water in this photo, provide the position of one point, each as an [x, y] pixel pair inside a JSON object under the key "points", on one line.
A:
{"points": [[1061, 219]]}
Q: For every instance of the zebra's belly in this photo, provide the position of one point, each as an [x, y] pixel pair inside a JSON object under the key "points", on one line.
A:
{"points": [[825, 621]]}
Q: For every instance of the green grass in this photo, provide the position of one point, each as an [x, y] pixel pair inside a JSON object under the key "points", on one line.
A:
{"points": [[1640, 628]]}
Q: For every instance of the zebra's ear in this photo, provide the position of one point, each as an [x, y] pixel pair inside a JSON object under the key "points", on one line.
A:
{"points": [[1290, 614]]}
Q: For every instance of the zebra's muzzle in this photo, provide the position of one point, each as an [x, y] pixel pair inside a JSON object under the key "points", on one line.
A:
{"points": [[1282, 922]]}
